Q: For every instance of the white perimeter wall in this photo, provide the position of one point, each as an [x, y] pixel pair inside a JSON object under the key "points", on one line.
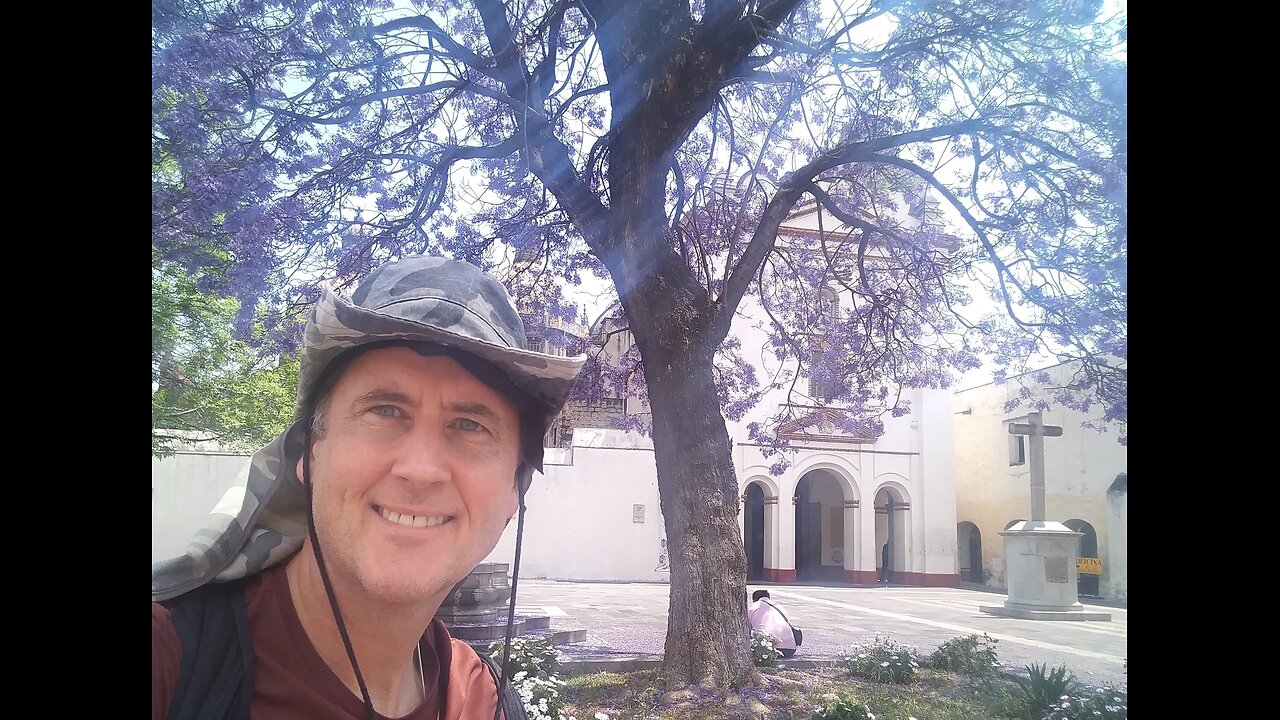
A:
{"points": [[580, 522], [184, 488]]}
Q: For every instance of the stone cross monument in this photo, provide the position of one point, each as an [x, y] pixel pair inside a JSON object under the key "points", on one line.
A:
{"points": [[1040, 555], [1036, 431]]}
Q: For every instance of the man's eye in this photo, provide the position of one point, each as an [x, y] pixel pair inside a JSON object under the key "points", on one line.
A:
{"points": [[385, 410], [468, 425]]}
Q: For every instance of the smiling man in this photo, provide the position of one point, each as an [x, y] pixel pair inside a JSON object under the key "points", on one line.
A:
{"points": [[312, 592]]}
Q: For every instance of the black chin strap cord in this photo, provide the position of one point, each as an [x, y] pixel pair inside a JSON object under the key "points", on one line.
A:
{"points": [[324, 575], [511, 608]]}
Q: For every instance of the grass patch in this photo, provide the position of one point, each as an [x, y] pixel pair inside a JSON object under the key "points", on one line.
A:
{"points": [[598, 688], [799, 694], [880, 680]]}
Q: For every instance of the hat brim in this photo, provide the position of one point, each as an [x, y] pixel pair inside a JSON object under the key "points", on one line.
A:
{"points": [[338, 325]]}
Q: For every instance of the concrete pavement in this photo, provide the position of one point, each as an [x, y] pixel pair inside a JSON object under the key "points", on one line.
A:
{"points": [[626, 624]]}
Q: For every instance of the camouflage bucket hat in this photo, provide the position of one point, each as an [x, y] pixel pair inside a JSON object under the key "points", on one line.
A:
{"points": [[447, 302], [261, 520]]}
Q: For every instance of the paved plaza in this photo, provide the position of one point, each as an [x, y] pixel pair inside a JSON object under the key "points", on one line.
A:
{"points": [[629, 621]]}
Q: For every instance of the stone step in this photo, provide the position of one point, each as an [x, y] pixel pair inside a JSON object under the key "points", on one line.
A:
{"points": [[486, 631], [537, 622], [558, 636], [568, 636], [536, 626]]}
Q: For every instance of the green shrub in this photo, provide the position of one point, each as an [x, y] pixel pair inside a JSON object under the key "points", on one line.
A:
{"points": [[536, 657], [541, 696], [973, 655], [1001, 702], [764, 649], [533, 664], [1043, 689], [881, 660], [844, 710]]}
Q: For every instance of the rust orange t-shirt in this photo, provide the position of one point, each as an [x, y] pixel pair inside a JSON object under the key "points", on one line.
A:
{"points": [[292, 681]]}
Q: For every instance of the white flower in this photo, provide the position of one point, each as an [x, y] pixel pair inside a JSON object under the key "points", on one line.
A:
{"points": [[884, 664], [601, 716]]}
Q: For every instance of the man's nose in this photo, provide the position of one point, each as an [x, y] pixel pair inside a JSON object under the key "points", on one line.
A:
{"points": [[422, 456]]}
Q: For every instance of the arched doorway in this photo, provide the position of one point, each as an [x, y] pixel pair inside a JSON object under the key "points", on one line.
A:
{"points": [[969, 548], [1086, 583], [819, 546], [753, 532], [892, 533]]}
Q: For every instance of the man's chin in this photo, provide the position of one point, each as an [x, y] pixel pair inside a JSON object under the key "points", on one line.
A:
{"points": [[409, 587]]}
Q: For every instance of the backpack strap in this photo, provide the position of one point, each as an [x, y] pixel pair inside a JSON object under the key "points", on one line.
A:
{"points": [[509, 701], [215, 680], [795, 631], [775, 607]]}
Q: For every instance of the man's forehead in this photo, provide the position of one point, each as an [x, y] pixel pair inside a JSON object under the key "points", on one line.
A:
{"points": [[404, 372]]}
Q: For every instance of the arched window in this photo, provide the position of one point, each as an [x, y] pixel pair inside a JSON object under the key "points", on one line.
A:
{"points": [[828, 304], [825, 378]]}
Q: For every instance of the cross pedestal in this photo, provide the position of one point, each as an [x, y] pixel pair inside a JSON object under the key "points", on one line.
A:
{"points": [[1040, 555], [1040, 571]]}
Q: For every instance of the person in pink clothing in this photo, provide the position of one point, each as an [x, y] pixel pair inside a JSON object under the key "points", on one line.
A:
{"points": [[767, 617]]}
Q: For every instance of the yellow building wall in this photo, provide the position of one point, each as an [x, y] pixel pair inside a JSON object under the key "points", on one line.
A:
{"points": [[1079, 467]]}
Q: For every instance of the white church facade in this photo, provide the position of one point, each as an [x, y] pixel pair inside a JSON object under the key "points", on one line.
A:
{"points": [[831, 513]]}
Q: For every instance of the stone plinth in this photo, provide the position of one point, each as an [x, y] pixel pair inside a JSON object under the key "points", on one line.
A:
{"points": [[480, 597], [1041, 573], [475, 611], [476, 608]]}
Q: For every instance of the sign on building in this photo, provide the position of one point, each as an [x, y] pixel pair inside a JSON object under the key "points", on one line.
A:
{"points": [[1089, 566]]}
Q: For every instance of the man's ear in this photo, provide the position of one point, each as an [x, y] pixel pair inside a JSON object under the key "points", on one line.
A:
{"points": [[297, 470]]}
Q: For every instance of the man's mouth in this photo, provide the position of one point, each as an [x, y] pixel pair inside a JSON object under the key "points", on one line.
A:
{"points": [[419, 521]]}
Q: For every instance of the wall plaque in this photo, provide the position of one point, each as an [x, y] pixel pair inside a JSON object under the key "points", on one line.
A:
{"points": [[1055, 570]]}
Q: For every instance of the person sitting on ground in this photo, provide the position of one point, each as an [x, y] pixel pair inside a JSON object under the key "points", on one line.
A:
{"points": [[767, 617], [313, 591]]}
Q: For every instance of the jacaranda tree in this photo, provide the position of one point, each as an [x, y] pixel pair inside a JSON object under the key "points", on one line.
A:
{"points": [[659, 144]]}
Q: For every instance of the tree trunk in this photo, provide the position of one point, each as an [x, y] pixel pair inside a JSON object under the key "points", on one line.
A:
{"points": [[670, 315], [707, 640], [707, 633]]}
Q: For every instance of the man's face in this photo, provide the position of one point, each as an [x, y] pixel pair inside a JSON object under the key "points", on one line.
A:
{"points": [[413, 477]]}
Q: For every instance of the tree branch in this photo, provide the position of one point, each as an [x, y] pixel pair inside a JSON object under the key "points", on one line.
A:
{"points": [[422, 22], [546, 156], [789, 190], [1002, 270]]}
